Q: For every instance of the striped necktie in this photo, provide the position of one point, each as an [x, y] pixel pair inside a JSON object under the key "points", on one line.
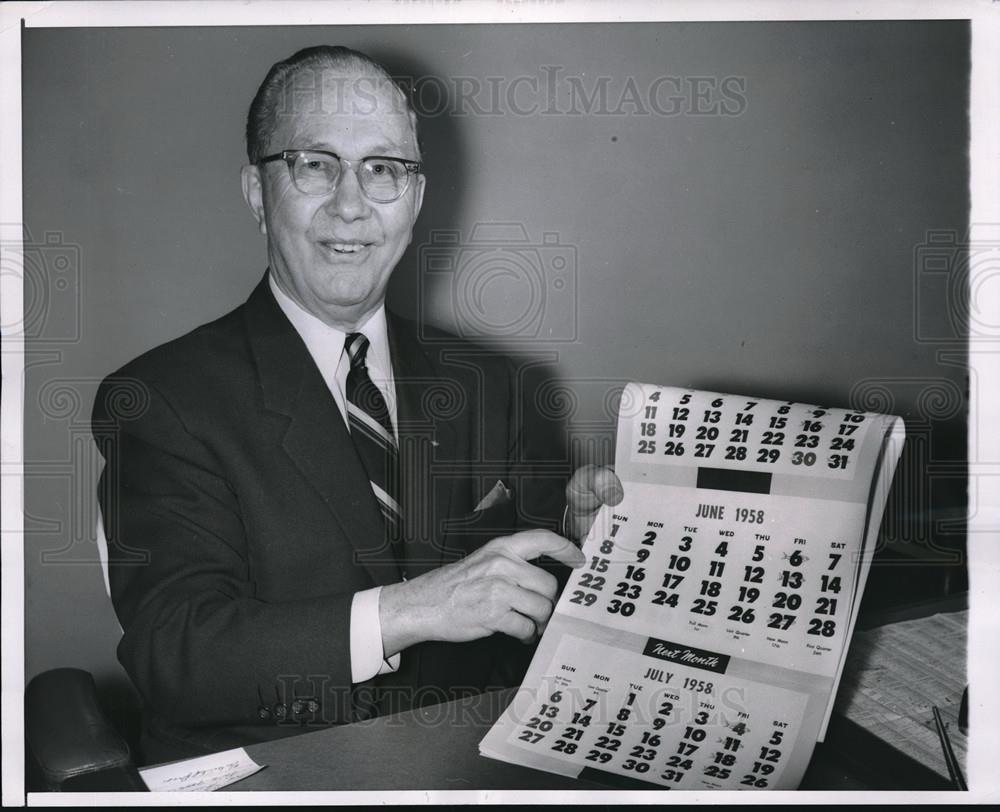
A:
{"points": [[371, 429]]}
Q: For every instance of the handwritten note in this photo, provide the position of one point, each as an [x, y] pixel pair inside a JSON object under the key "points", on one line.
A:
{"points": [[204, 774]]}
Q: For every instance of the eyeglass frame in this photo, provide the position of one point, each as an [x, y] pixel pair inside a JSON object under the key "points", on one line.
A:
{"points": [[289, 156]]}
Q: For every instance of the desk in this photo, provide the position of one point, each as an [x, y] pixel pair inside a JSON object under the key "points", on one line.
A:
{"points": [[881, 765], [437, 748], [432, 748]]}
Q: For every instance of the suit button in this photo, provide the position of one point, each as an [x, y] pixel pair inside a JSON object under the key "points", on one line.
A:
{"points": [[280, 711], [263, 713]]}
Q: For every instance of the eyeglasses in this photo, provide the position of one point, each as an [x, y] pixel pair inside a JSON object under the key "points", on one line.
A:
{"points": [[315, 172]]}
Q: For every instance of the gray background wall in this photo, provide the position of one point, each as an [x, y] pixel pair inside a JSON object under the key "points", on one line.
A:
{"points": [[773, 251]]}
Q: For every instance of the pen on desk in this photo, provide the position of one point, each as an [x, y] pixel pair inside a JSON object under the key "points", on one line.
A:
{"points": [[954, 770]]}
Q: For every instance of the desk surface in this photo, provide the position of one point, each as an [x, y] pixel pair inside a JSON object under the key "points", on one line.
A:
{"points": [[437, 748], [432, 748]]}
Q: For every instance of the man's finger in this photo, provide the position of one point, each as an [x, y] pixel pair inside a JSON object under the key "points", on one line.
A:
{"points": [[608, 487], [592, 486], [532, 605], [580, 494], [529, 544], [537, 580], [520, 572], [518, 626]]}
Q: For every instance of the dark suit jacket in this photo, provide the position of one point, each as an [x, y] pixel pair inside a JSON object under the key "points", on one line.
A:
{"points": [[241, 523]]}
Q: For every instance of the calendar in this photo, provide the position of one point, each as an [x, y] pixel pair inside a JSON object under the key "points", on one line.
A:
{"points": [[701, 644]]}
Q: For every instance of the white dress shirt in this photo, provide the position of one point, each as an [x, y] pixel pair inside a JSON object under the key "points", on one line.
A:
{"points": [[326, 346]]}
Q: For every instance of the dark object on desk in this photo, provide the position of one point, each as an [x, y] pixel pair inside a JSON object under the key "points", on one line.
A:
{"points": [[72, 743], [963, 712], [954, 770], [117, 779]]}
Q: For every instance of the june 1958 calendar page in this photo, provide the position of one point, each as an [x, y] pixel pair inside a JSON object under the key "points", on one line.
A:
{"points": [[701, 644]]}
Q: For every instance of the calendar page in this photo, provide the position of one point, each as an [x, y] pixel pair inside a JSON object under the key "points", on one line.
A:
{"points": [[701, 644]]}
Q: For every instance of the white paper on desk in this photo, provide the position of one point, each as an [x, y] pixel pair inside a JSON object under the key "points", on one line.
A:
{"points": [[203, 774]]}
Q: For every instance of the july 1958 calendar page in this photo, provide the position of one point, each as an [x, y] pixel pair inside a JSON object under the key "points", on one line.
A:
{"points": [[701, 644]]}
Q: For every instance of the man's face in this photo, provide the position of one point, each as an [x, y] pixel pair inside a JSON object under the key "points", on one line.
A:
{"points": [[334, 254]]}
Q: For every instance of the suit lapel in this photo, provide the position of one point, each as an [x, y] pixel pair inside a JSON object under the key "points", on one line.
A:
{"points": [[425, 442], [316, 440]]}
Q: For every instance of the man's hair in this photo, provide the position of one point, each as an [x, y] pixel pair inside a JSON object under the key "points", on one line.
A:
{"points": [[276, 95]]}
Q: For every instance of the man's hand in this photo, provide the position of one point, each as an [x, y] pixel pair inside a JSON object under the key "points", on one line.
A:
{"points": [[591, 487], [495, 589]]}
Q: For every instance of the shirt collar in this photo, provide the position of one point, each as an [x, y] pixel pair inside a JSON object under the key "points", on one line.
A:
{"points": [[324, 341]]}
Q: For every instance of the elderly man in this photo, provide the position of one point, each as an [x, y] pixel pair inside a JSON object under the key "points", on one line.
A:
{"points": [[313, 508]]}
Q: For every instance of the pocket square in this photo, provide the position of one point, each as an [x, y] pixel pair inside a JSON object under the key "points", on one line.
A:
{"points": [[498, 495]]}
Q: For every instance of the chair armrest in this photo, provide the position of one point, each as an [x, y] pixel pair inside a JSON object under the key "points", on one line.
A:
{"points": [[67, 732]]}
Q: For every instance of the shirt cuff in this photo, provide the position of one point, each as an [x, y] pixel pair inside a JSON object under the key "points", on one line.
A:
{"points": [[367, 656]]}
